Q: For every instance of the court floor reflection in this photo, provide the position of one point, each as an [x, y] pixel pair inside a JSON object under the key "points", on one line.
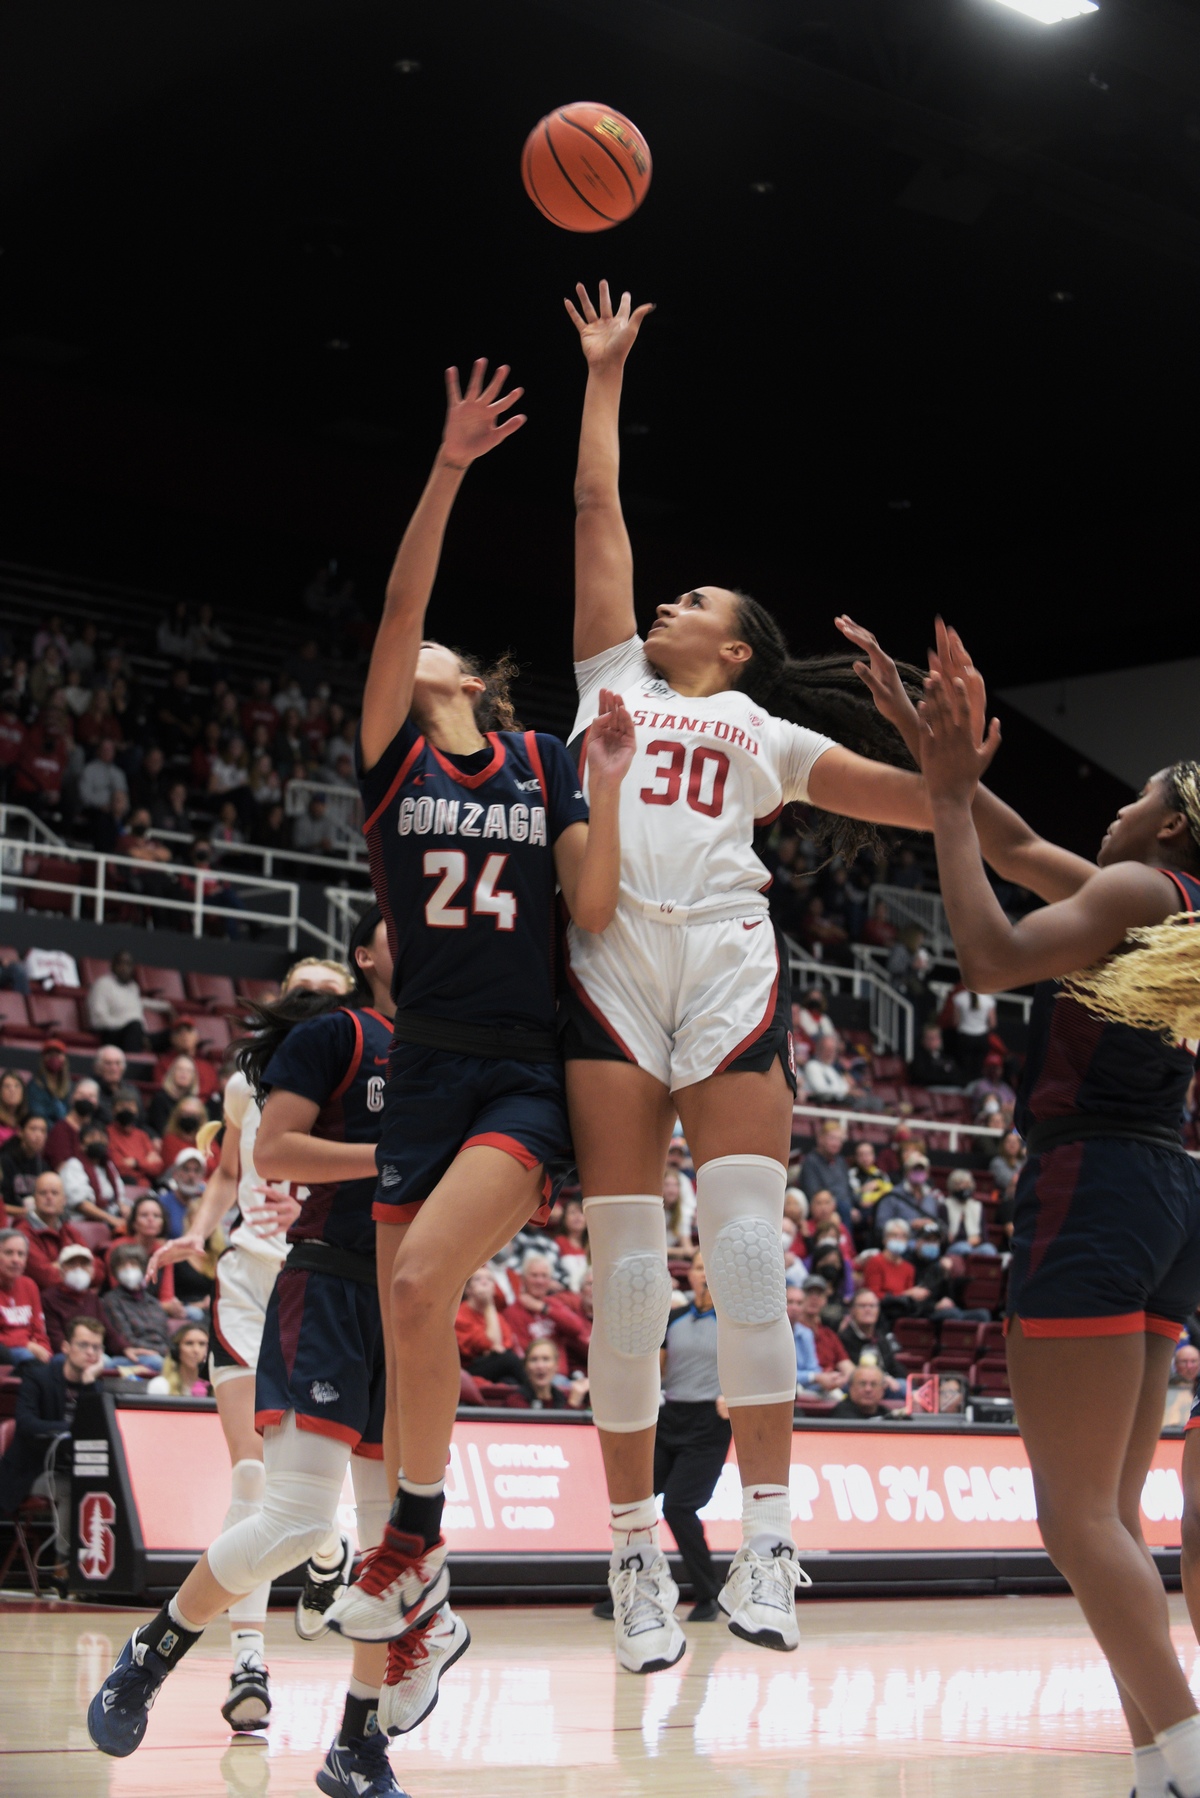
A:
{"points": [[916, 1697]]}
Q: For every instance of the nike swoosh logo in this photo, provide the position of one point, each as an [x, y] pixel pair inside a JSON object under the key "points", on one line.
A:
{"points": [[753, 926], [381, 1061]]}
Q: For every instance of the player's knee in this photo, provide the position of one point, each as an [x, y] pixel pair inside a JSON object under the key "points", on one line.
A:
{"points": [[417, 1299], [636, 1304]]}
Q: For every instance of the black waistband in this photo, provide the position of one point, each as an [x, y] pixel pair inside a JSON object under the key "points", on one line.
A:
{"points": [[1051, 1133], [317, 1257], [474, 1039]]}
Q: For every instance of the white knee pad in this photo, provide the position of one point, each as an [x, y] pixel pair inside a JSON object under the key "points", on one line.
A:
{"points": [[739, 1221], [372, 1500], [631, 1301], [304, 1475], [248, 1483]]}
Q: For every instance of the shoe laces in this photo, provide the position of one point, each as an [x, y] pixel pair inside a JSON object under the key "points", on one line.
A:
{"points": [[774, 1578], [139, 1684], [637, 1600], [406, 1653], [384, 1567]]}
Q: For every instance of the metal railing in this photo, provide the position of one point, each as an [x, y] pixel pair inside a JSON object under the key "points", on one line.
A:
{"points": [[331, 864], [869, 956], [343, 809], [18, 823], [924, 909], [345, 906], [938, 1126], [891, 1015], [157, 890]]}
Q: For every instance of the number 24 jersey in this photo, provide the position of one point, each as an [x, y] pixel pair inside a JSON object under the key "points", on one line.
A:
{"points": [[706, 774]]}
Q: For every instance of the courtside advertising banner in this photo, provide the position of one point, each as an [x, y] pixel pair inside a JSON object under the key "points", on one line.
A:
{"points": [[528, 1488]]}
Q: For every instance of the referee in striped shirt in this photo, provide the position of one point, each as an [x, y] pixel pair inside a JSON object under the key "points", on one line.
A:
{"points": [[693, 1437]]}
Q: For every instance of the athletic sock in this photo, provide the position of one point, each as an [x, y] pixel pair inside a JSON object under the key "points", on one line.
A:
{"points": [[634, 1526], [766, 1511], [418, 1510], [1150, 1774], [169, 1634], [328, 1557], [1180, 1747], [247, 1642], [360, 1719]]}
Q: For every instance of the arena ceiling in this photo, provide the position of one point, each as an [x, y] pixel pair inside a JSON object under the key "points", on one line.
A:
{"points": [[926, 272]]}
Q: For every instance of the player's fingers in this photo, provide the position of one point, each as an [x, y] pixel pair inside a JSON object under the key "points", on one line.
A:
{"points": [[585, 303], [510, 399], [475, 384], [509, 426], [641, 312], [991, 744], [495, 384], [605, 301], [573, 313], [453, 391]]}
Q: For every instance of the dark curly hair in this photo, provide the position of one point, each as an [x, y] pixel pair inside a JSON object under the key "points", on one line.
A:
{"points": [[494, 708], [823, 693]]}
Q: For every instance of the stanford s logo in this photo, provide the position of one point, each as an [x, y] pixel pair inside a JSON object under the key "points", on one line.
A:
{"points": [[97, 1540]]}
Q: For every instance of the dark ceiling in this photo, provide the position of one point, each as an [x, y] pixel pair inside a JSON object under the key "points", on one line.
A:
{"points": [[926, 273]]}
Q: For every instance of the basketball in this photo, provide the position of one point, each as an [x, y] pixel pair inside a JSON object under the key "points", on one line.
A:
{"points": [[586, 167]]}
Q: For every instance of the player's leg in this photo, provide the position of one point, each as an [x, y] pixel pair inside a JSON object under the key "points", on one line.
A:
{"points": [[388, 1238], [357, 1760], [621, 1172], [304, 1475], [485, 1196], [738, 1125], [1079, 1472], [248, 1703], [1189, 1560]]}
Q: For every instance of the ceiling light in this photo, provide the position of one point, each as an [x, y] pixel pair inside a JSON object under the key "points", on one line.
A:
{"points": [[1052, 12]]}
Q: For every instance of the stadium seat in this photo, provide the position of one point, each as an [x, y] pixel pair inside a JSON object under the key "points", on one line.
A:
{"points": [[161, 983], [59, 1016], [887, 1067], [214, 1033], [993, 1343], [493, 1393], [210, 990], [31, 1515], [259, 992], [91, 967], [916, 1335], [989, 1378], [15, 1026], [94, 1233], [62, 871]]}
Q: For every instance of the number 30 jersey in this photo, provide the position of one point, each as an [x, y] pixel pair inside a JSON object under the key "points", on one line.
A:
{"points": [[462, 861], [707, 773]]}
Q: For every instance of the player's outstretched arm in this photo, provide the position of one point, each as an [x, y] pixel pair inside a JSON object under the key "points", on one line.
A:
{"points": [[604, 612], [994, 953], [1008, 843], [587, 857], [475, 424]]}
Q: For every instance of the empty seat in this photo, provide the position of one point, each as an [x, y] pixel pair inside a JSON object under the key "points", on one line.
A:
{"points": [[959, 1336], [468, 1391], [916, 1335], [95, 1234], [213, 1032], [62, 873], [60, 1016], [210, 990], [91, 967], [887, 1067], [993, 1343], [991, 1379], [13, 1011], [161, 983], [259, 992]]}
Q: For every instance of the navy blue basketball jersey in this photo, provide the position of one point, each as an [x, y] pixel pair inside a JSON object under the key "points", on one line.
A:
{"points": [[462, 861], [1078, 1063], [338, 1061]]}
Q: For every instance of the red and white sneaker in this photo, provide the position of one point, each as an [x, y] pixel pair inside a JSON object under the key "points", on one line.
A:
{"points": [[415, 1665], [399, 1585]]}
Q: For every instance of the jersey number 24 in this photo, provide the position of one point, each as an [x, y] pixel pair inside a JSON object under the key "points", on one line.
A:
{"points": [[451, 866]]}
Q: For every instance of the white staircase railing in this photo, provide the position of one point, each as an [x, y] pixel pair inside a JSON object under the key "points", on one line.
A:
{"points": [[891, 1015]]}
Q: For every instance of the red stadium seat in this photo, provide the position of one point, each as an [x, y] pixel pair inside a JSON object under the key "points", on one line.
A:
{"points": [[95, 1234], [14, 1015], [61, 1017], [213, 1031], [210, 990], [887, 1067], [985, 1378], [91, 967], [468, 1391], [61, 871], [993, 1343], [493, 1393], [959, 1337], [258, 991], [32, 1515], [885, 1095], [161, 983], [916, 1335]]}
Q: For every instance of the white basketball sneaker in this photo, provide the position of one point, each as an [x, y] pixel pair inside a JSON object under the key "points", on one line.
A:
{"points": [[644, 1598], [415, 1666], [759, 1596], [399, 1584]]}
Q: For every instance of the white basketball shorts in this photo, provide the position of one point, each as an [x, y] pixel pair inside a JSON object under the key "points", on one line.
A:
{"points": [[239, 1309]]}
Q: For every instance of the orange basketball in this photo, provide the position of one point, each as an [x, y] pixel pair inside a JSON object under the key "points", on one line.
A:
{"points": [[586, 167]]}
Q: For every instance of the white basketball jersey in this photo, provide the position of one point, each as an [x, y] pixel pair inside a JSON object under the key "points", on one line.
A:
{"points": [[242, 1114], [706, 773]]}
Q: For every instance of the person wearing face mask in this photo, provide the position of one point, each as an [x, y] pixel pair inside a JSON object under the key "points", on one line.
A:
{"points": [[47, 1231], [134, 1311], [63, 1140], [913, 1199], [132, 1149], [182, 1127], [932, 1294], [891, 1275], [147, 1230], [75, 1296], [178, 1083], [92, 1181], [48, 1093], [116, 1007], [21, 1162]]}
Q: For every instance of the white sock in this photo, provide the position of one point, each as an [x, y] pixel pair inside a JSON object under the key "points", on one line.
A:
{"points": [[635, 1525], [1149, 1772], [1180, 1747], [766, 1511], [357, 1689], [247, 1642], [177, 1616], [329, 1555], [422, 1491]]}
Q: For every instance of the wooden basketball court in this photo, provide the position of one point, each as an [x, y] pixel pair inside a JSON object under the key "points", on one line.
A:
{"points": [[993, 1697]]}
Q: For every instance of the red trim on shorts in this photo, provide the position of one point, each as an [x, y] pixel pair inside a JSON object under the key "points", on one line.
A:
{"points": [[1193, 1423], [395, 1214], [217, 1331], [474, 780], [1163, 1326], [368, 1451], [405, 765], [758, 1028], [263, 1420], [494, 1139], [355, 1057], [590, 1005], [1126, 1323], [316, 1426]]}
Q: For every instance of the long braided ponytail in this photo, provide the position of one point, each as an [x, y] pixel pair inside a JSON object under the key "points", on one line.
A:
{"points": [[823, 693]]}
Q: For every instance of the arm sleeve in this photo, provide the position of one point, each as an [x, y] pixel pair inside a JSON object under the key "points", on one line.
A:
{"points": [[374, 782], [314, 1058], [798, 750], [617, 667], [565, 800]]}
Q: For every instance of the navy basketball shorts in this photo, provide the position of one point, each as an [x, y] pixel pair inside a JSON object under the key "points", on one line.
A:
{"points": [[1106, 1240], [322, 1357], [437, 1103]]}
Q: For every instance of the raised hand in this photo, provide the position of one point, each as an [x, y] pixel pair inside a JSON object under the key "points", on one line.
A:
{"points": [[178, 1249], [606, 337], [953, 760], [612, 741], [881, 677], [952, 662], [474, 420]]}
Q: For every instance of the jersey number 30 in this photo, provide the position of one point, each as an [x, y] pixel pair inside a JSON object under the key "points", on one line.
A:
{"points": [[706, 777], [451, 866]]}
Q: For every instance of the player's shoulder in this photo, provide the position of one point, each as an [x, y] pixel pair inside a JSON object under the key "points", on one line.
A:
{"points": [[620, 662], [237, 1099]]}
